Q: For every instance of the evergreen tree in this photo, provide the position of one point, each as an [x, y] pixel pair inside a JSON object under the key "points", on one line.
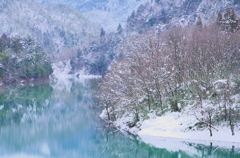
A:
{"points": [[227, 13], [219, 18], [119, 29], [199, 23], [233, 20], [133, 14], [102, 32]]}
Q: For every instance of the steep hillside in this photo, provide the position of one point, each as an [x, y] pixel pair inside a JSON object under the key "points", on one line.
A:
{"points": [[108, 13], [54, 26], [160, 15]]}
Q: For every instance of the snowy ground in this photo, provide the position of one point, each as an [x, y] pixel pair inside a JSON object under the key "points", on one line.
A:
{"points": [[171, 132], [173, 127]]}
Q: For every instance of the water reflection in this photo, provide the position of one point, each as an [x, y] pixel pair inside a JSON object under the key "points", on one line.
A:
{"points": [[215, 151], [61, 121], [19, 103]]}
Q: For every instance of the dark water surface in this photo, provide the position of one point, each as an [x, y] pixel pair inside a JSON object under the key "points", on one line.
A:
{"points": [[61, 121]]}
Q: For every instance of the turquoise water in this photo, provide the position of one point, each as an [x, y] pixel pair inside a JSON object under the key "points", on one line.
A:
{"points": [[61, 121]]}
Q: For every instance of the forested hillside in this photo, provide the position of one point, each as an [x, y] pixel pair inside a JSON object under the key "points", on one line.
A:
{"points": [[195, 68], [96, 57], [153, 17], [53, 26], [160, 15], [30, 29], [22, 60]]}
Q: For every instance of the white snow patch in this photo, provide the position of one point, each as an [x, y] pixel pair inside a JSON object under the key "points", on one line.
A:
{"points": [[175, 126], [224, 81]]}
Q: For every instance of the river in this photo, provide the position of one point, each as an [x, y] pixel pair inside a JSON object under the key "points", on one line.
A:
{"points": [[61, 120]]}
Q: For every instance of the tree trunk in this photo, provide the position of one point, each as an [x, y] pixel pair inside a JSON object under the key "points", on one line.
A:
{"points": [[232, 130], [108, 113], [210, 149], [210, 122], [231, 121], [149, 101], [137, 115], [210, 130], [174, 105], [114, 115], [159, 94]]}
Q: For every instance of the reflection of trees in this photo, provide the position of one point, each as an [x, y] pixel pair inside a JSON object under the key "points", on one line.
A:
{"points": [[115, 144], [112, 143], [57, 117], [70, 126], [17, 102], [214, 151]]}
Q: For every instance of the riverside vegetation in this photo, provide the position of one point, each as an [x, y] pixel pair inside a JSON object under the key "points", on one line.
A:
{"points": [[193, 68]]}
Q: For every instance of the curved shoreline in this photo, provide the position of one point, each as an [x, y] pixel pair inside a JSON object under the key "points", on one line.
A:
{"points": [[173, 126]]}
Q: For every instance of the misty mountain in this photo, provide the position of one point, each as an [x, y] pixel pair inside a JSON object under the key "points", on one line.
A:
{"points": [[54, 26], [108, 13]]}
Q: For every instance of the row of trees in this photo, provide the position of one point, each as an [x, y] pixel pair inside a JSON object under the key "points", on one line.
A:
{"points": [[192, 65]]}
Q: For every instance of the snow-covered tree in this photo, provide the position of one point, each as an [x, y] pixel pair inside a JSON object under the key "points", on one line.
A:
{"points": [[119, 29], [167, 72]]}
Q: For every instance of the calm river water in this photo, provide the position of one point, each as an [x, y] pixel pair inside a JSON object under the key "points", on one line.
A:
{"points": [[61, 121]]}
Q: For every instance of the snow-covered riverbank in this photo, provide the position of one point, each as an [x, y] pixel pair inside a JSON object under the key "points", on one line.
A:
{"points": [[156, 130], [176, 130], [175, 127]]}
